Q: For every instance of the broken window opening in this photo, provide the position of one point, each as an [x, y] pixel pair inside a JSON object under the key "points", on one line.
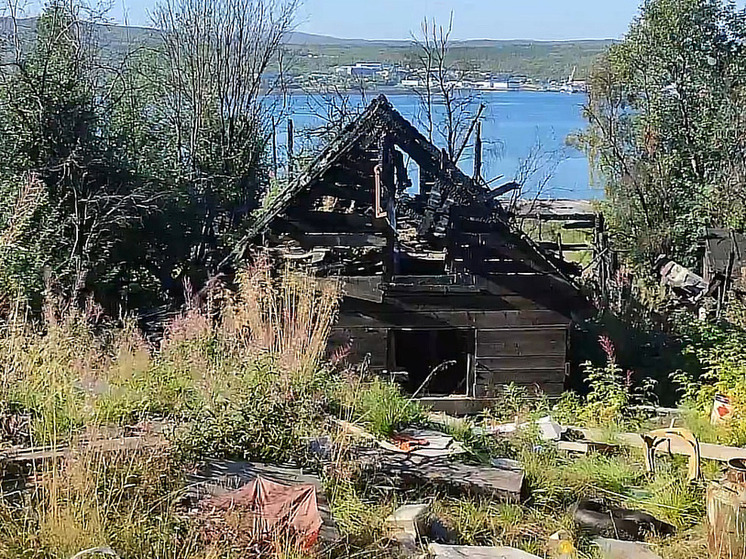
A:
{"points": [[445, 356]]}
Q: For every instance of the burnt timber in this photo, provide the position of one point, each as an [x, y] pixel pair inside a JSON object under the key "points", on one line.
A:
{"points": [[435, 275]]}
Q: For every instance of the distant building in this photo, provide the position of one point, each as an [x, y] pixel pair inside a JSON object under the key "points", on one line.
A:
{"points": [[500, 82], [366, 69]]}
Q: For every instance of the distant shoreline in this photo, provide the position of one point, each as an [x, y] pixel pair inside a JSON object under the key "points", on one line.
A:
{"points": [[395, 90]]}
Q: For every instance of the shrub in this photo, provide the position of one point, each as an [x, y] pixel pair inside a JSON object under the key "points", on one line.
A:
{"points": [[611, 399], [379, 405], [718, 348]]}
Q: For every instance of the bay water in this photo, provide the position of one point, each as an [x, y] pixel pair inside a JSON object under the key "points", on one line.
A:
{"points": [[525, 135]]}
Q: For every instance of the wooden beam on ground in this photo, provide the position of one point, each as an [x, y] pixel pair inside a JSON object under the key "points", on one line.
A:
{"points": [[102, 445], [438, 551], [708, 451], [504, 484]]}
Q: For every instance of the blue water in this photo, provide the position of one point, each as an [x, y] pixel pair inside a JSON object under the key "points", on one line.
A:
{"points": [[515, 126]]}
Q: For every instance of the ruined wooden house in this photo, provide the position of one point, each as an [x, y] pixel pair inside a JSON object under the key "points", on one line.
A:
{"points": [[435, 277], [724, 264]]}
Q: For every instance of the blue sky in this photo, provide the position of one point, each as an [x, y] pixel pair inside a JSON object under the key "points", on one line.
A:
{"points": [[473, 19]]}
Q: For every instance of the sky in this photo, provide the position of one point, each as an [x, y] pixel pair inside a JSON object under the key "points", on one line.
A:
{"points": [[473, 19]]}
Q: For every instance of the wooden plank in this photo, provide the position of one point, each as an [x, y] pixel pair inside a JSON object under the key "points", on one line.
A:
{"points": [[522, 363], [566, 247], [678, 446], [457, 404], [345, 240], [331, 221], [455, 477], [116, 444], [537, 388], [452, 319], [522, 342], [438, 551]]}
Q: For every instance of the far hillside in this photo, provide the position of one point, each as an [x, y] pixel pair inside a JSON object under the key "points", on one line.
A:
{"points": [[537, 60]]}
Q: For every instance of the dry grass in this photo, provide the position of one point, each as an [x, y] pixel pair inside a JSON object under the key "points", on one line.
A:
{"points": [[246, 381]]}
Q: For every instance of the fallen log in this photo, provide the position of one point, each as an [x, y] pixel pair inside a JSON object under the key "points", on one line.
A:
{"points": [[18, 455]]}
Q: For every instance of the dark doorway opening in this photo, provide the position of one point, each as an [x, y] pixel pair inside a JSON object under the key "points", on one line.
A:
{"points": [[420, 351]]}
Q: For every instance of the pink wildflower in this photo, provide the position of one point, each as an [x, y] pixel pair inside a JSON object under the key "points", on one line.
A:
{"points": [[608, 346]]}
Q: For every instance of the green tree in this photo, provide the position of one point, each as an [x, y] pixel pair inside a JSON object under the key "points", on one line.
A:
{"points": [[56, 143], [667, 127]]}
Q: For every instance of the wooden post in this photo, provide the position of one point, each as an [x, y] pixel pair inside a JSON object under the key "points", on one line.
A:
{"points": [[602, 269], [728, 274], [385, 196], [274, 146], [478, 154], [291, 149]]}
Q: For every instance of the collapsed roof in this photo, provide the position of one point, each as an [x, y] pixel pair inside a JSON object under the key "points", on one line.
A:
{"points": [[357, 194]]}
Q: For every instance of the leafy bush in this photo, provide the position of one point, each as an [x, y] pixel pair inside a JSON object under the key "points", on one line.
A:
{"points": [[612, 397], [379, 405], [718, 348]]}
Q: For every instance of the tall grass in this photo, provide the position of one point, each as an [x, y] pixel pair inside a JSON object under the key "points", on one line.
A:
{"points": [[242, 377], [264, 346]]}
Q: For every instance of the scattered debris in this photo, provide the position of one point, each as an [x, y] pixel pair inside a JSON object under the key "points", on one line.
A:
{"points": [[424, 443], [617, 549], [598, 519], [722, 410], [560, 545], [408, 523], [655, 438], [439, 551], [412, 519], [105, 550], [726, 512], [501, 483], [549, 429], [220, 477], [685, 283], [265, 509]]}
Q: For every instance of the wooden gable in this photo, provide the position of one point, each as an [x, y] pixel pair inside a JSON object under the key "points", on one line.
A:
{"points": [[438, 267]]}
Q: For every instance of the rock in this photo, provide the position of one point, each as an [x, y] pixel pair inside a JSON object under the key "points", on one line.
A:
{"points": [[463, 551], [410, 519], [617, 549]]}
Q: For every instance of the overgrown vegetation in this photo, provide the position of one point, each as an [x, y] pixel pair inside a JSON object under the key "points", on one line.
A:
{"points": [[129, 177], [666, 125], [122, 187]]}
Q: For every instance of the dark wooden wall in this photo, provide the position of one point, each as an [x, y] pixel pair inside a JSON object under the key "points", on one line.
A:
{"points": [[526, 346]]}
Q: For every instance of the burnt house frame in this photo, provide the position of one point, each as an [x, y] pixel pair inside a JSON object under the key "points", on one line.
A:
{"points": [[435, 279]]}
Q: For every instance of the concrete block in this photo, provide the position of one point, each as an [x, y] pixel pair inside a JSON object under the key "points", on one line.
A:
{"points": [[410, 519]]}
